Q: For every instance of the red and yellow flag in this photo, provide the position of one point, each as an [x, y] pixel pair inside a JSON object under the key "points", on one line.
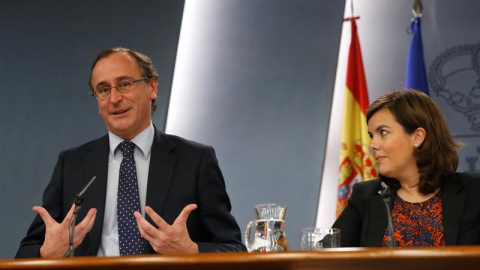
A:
{"points": [[356, 160]]}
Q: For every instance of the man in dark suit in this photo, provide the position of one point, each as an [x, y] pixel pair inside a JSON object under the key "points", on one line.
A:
{"points": [[175, 183]]}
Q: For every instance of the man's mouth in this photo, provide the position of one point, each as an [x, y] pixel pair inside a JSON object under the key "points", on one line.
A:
{"points": [[116, 112]]}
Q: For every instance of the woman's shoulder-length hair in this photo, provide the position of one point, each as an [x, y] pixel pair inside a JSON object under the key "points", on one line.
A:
{"points": [[437, 156]]}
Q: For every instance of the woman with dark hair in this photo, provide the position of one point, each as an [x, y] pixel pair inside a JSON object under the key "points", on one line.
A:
{"points": [[431, 204]]}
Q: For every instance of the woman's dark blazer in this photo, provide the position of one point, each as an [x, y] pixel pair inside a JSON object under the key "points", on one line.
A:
{"points": [[364, 220]]}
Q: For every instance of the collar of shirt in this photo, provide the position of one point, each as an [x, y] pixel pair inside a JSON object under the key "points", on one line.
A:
{"points": [[143, 141]]}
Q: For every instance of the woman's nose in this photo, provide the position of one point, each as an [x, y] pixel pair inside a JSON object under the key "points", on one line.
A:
{"points": [[373, 145]]}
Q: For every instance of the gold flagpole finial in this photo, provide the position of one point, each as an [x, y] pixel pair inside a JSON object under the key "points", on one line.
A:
{"points": [[417, 8]]}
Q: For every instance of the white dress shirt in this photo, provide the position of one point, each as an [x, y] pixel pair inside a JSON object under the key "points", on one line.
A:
{"points": [[143, 141]]}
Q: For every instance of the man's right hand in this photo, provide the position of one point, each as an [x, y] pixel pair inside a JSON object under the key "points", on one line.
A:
{"points": [[56, 234]]}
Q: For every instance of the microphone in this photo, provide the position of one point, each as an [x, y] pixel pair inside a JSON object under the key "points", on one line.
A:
{"points": [[385, 190], [78, 205], [385, 193], [79, 197]]}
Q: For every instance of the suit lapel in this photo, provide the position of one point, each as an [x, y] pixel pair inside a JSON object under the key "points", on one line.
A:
{"points": [[162, 166], [96, 163], [160, 174], [377, 221], [453, 203]]}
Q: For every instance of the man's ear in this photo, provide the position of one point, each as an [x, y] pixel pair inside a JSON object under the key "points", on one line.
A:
{"points": [[154, 85]]}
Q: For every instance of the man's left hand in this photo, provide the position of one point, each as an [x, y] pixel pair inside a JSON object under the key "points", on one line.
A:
{"points": [[167, 239]]}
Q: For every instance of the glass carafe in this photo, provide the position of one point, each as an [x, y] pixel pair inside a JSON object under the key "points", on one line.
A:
{"points": [[268, 229]]}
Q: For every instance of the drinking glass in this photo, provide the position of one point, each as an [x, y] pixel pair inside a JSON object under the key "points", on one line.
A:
{"points": [[320, 238]]}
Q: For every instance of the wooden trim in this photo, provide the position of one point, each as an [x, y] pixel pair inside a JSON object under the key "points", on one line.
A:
{"points": [[342, 258]]}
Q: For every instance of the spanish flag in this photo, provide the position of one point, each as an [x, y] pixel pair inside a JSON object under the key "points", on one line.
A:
{"points": [[356, 160]]}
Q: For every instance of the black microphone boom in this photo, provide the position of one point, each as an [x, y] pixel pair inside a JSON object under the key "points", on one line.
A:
{"points": [[78, 204], [385, 193], [79, 197]]}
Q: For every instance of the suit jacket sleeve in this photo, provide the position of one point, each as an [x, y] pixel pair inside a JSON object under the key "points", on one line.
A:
{"points": [[52, 202], [219, 226]]}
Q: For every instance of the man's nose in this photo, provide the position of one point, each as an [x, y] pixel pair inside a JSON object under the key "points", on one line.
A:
{"points": [[115, 96]]}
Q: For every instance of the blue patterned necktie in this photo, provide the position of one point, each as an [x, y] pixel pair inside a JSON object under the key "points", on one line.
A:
{"points": [[128, 201]]}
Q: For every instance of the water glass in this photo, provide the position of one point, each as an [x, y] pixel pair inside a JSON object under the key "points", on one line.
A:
{"points": [[320, 238]]}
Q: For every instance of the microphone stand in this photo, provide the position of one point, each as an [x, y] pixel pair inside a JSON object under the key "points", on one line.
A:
{"points": [[385, 193], [78, 205], [71, 229]]}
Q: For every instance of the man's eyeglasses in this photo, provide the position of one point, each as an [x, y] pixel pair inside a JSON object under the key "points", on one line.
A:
{"points": [[122, 87]]}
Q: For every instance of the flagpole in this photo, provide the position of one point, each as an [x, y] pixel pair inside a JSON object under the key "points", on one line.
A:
{"points": [[415, 74]]}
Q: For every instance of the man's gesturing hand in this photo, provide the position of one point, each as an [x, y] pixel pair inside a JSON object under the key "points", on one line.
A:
{"points": [[167, 239], [56, 234]]}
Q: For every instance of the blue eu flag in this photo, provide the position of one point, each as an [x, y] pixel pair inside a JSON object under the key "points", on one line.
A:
{"points": [[416, 76]]}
